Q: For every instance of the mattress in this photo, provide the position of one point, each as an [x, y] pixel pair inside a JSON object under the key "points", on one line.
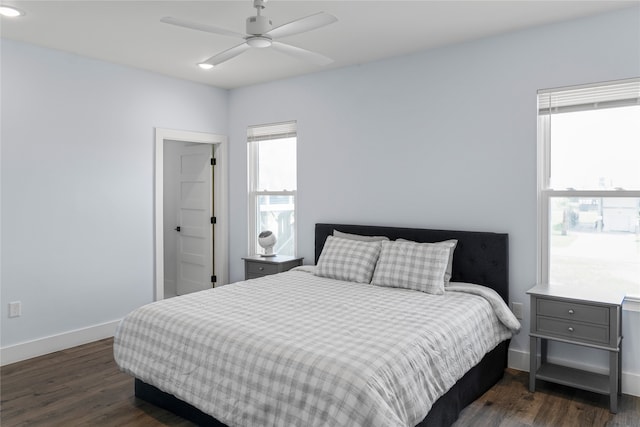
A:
{"points": [[296, 349]]}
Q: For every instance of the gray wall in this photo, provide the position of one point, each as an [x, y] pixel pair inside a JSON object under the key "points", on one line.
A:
{"points": [[444, 139], [77, 184], [441, 139]]}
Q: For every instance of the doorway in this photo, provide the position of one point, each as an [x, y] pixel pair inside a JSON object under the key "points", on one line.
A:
{"points": [[179, 212]]}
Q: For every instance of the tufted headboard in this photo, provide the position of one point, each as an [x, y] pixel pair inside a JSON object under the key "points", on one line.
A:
{"points": [[479, 257]]}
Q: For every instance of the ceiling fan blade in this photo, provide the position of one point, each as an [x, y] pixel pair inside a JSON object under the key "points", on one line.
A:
{"points": [[200, 27], [300, 53], [302, 25], [227, 54]]}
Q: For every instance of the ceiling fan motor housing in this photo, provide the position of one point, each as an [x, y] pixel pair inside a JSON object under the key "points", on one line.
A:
{"points": [[258, 25]]}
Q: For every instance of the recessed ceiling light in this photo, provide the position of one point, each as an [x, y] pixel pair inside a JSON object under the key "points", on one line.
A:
{"points": [[205, 66], [10, 12]]}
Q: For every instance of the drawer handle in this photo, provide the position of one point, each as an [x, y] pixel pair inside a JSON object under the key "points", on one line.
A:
{"points": [[571, 311], [570, 329], [261, 268]]}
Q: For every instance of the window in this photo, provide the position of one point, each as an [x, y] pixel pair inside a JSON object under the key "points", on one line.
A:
{"points": [[589, 185], [272, 185]]}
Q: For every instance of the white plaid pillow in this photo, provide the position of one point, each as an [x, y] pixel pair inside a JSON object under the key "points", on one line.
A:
{"points": [[449, 243], [411, 265], [349, 260]]}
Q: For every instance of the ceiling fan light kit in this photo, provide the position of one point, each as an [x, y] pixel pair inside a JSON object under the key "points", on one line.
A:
{"points": [[259, 41], [261, 34]]}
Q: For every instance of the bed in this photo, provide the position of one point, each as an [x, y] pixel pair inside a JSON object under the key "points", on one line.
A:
{"points": [[480, 258]]}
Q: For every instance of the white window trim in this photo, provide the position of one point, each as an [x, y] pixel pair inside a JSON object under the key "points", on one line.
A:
{"points": [[545, 193], [254, 193]]}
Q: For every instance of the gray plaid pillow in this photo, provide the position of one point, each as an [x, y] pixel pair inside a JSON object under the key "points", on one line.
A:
{"points": [[410, 265], [450, 243], [350, 260], [342, 235]]}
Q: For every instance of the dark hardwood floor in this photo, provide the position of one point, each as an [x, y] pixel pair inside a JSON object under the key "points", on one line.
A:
{"points": [[82, 386]]}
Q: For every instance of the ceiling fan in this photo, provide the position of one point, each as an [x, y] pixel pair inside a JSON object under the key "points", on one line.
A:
{"points": [[261, 34]]}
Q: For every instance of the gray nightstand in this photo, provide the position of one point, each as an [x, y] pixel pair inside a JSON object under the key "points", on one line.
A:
{"points": [[259, 266], [583, 316]]}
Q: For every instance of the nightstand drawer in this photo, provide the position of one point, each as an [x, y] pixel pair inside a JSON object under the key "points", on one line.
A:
{"points": [[573, 330], [261, 268], [573, 311]]}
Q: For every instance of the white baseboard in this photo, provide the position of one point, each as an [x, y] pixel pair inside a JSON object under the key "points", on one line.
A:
{"points": [[518, 360], [631, 303], [630, 382], [42, 346]]}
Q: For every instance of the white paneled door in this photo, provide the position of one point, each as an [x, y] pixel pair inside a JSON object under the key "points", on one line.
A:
{"points": [[195, 231]]}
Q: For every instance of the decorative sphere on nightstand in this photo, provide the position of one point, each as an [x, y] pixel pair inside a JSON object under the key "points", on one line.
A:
{"points": [[267, 241]]}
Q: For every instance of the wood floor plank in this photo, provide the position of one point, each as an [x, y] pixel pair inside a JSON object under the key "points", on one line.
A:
{"points": [[509, 403], [82, 386]]}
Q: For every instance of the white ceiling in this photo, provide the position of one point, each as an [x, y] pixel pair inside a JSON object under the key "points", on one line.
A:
{"points": [[130, 32]]}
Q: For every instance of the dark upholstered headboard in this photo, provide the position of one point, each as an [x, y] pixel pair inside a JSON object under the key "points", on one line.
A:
{"points": [[479, 257]]}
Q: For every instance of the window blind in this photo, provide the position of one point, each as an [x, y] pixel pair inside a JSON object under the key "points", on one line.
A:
{"points": [[589, 97], [271, 131]]}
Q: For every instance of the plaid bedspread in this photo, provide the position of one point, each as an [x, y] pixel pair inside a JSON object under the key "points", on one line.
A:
{"points": [[294, 349]]}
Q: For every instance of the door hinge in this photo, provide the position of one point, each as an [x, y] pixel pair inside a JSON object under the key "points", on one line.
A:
{"points": [[213, 161], [214, 279], [213, 220]]}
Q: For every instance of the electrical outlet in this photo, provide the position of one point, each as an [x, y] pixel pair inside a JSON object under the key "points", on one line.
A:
{"points": [[15, 309], [516, 308]]}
